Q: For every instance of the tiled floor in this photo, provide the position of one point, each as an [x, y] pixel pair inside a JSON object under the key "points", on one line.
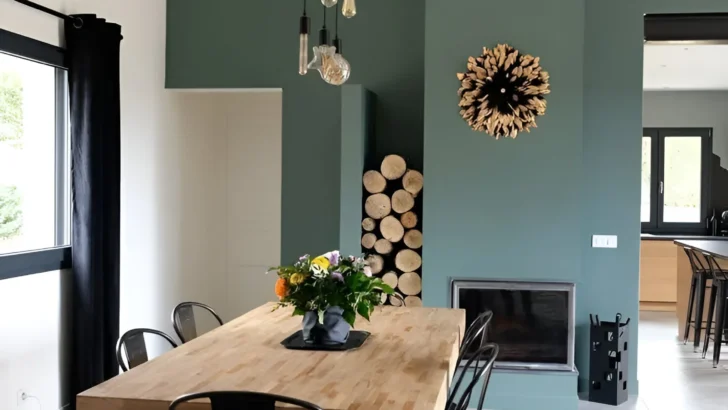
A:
{"points": [[671, 376]]}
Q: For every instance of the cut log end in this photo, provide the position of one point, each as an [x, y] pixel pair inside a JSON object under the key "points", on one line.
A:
{"points": [[413, 239], [377, 206], [376, 263], [396, 300], [391, 229], [412, 182], [413, 301], [374, 182], [410, 284], [383, 246], [402, 201], [393, 167], [368, 240], [390, 278], [368, 224], [407, 260], [408, 219]]}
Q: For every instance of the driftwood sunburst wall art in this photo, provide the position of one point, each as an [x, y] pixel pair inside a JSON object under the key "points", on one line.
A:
{"points": [[503, 91]]}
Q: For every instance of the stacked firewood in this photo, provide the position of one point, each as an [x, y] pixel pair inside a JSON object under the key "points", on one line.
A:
{"points": [[391, 232]]}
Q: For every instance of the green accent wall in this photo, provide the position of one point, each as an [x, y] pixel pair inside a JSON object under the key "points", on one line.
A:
{"points": [[254, 44], [526, 208], [506, 209], [357, 107]]}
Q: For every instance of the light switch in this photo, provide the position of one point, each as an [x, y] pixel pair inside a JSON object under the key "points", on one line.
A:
{"points": [[604, 241]]}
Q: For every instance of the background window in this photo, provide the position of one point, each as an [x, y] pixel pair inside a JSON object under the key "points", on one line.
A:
{"points": [[675, 179], [33, 156], [646, 178]]}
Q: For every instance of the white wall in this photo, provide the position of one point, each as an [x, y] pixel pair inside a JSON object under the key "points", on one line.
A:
{"points": [[254, 170], [681, 109], [200, 188]]}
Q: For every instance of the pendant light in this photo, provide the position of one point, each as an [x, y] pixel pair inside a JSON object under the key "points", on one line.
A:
{"points": [[305, 26], [329, 3], [331, 65], [344, 68], [320, 52], [349, 9]]}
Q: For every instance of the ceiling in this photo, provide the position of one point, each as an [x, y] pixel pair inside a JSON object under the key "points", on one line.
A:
{"points": [[686, 67]]}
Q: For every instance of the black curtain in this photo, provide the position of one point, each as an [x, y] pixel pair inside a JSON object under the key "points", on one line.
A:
{"points": [[92, 51]]}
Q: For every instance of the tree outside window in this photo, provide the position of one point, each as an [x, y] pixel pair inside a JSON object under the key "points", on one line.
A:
{"points": [[11, 137]]}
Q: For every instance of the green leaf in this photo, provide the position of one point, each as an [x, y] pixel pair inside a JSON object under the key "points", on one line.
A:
{"points": [[363, 309], [350, 317], [298, 312], [386, 288], [321, 316]]}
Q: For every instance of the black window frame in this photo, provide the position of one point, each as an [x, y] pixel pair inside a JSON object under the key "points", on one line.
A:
{"points": [[656, 225], [30, 262]]}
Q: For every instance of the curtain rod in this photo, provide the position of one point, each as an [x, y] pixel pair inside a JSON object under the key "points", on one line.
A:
{"points": [[77, 21]]}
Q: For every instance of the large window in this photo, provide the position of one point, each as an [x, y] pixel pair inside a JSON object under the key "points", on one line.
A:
{"points": [[34, 157], [675, 179]]}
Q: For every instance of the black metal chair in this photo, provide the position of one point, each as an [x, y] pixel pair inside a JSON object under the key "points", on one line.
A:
{"points": [[476, 332], [718, 297], [183, 319], [696, 300], [135, 348], [481, 364], [242, 400]]}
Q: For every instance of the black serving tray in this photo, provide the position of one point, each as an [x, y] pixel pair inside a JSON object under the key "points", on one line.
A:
{"points": [[296, 342]]}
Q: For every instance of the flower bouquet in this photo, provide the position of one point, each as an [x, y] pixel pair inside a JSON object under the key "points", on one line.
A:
{"points": [[329, 291]]}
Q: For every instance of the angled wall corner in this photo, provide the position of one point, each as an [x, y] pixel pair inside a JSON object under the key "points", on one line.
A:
{"points": [[357, 140]]}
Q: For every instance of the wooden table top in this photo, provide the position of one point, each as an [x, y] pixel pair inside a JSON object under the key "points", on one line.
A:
{"points": [[407, 363]]}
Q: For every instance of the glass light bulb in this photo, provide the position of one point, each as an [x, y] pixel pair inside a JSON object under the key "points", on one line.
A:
{"points": [[339, 71], [320, 55], [329, 3], [349, 8], [303, 54]]}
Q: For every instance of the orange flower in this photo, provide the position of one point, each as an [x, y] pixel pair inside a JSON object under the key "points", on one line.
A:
{"points": [[281, 288]]}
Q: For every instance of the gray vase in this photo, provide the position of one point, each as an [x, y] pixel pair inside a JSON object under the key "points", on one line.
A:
{"points": [[335, 329]]}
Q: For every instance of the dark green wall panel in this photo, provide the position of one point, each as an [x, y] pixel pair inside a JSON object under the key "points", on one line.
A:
{"points": [[249, 44]]}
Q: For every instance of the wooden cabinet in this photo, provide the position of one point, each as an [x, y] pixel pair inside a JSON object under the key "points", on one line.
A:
{"points": [[658, 275]]}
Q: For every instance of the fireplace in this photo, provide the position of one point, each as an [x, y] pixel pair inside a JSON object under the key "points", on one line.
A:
{"points": [[533, 322]]}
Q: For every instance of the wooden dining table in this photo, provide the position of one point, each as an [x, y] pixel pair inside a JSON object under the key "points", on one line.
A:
{"points": [[407, 363]]}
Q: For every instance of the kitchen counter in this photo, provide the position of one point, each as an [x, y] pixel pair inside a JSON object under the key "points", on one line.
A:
{"points": [[651, 237], [717, 248]]}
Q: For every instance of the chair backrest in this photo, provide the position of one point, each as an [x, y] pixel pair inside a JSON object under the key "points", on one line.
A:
{"points": [[242, 400], [135, 348], [715, 269], [183, 319], [695, 260], [476, 333], [481, 365]]}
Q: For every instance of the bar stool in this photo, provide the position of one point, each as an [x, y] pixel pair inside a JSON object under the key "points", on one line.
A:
{"points": [[700, 277], [717, 302]]}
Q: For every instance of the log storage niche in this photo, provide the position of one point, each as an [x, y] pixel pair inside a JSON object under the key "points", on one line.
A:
{"points": [[392, 227]]}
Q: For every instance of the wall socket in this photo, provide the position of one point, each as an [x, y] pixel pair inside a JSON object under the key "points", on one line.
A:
{"points": [[604, 241], [21, 396]]}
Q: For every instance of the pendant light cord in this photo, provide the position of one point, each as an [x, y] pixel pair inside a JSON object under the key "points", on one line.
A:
{"points": [[304, 8], [336, 35], [324, 16]]}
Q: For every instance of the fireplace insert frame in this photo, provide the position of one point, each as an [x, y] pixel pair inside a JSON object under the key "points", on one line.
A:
{"points": [[503, 284]]}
